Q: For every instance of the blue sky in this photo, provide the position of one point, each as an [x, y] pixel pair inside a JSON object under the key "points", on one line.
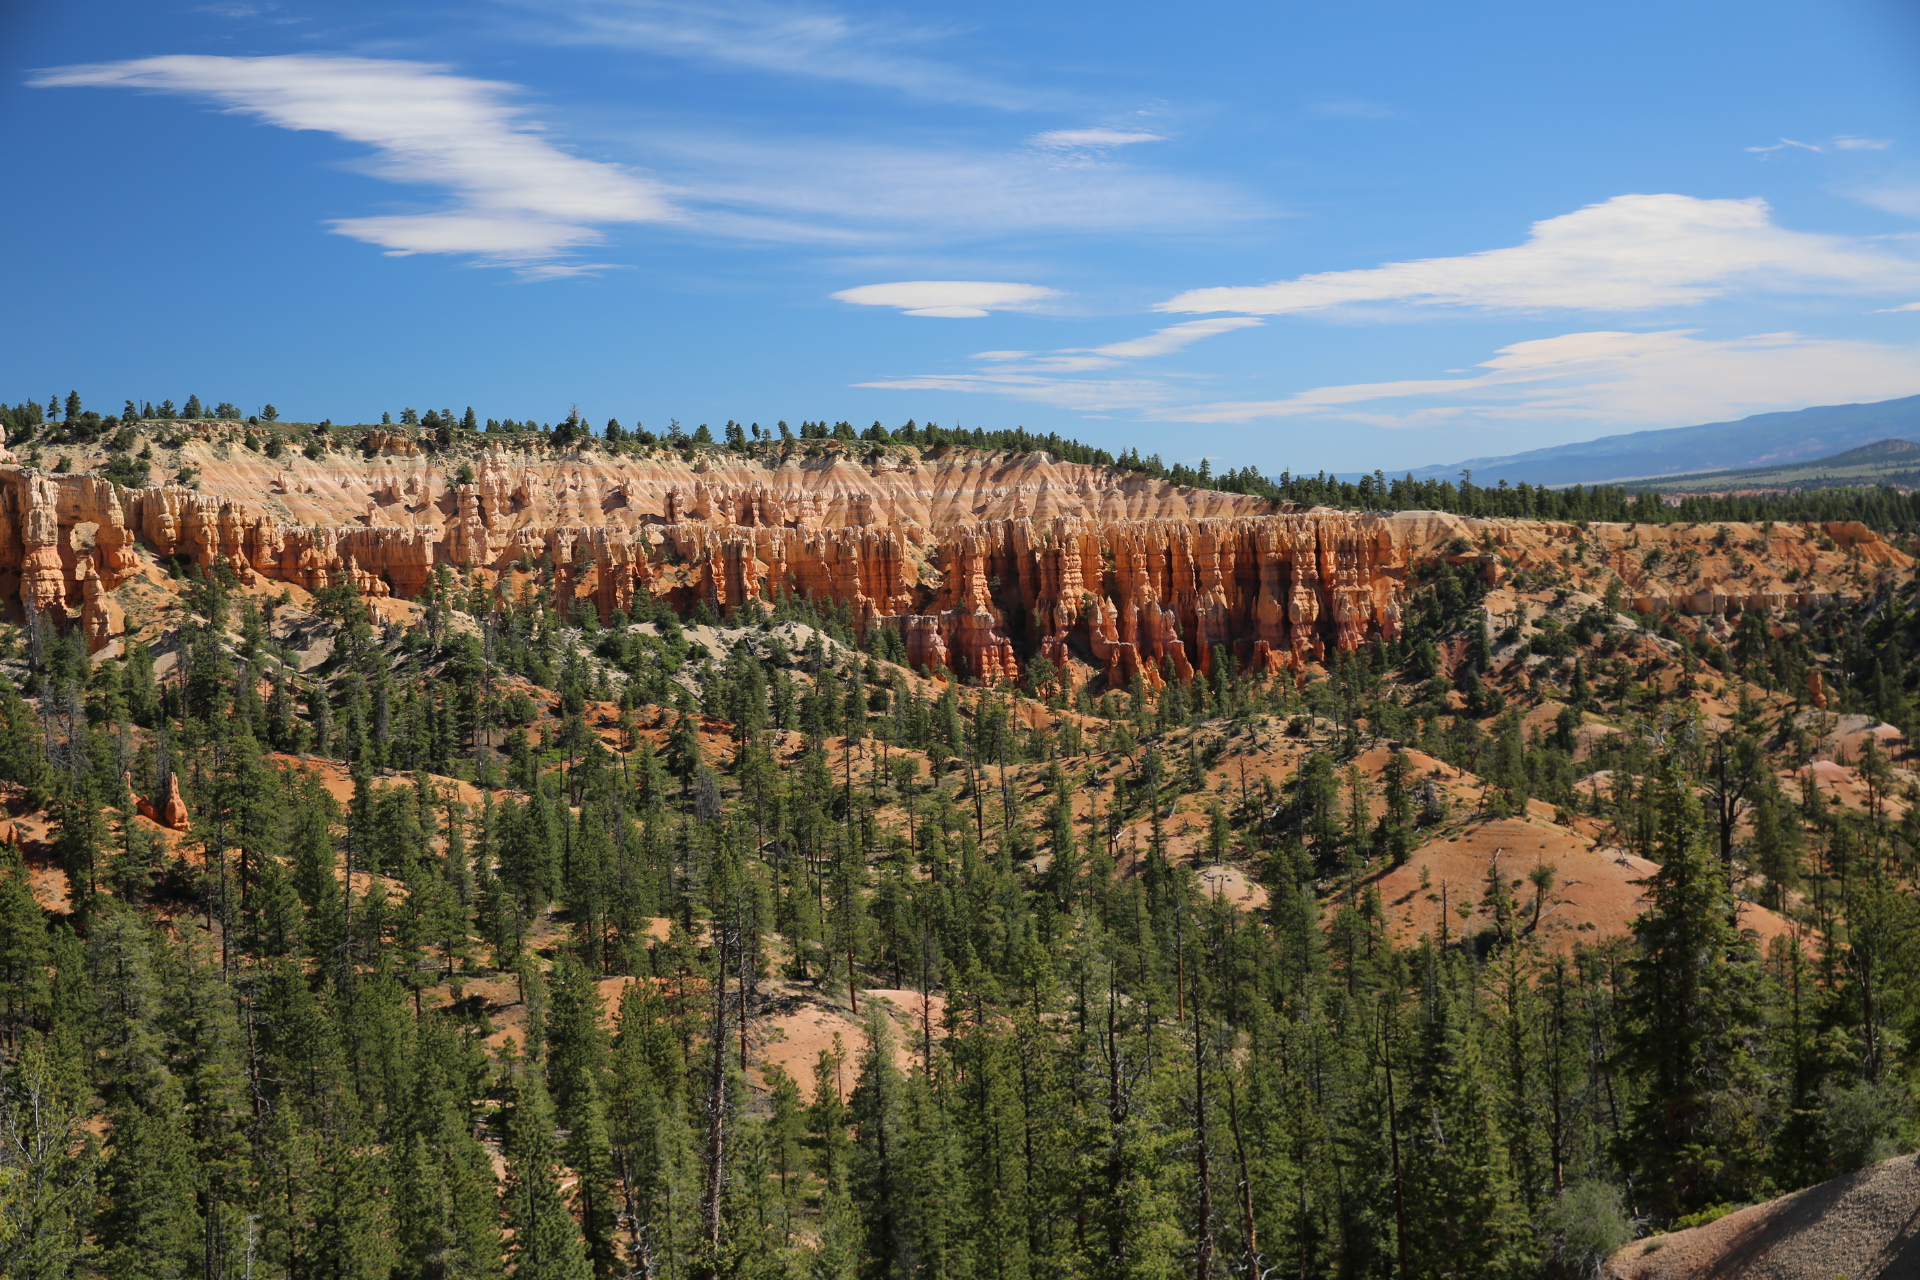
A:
{"points": [[1288, 234]]}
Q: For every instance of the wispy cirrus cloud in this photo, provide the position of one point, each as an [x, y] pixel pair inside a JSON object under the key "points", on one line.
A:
{"points": [[804, 41], [1161, 342], [1091, 139], [807, 189], [1896, 193], [1175, 337], [1842, 142], [1087, 148], [518, 199], [1630, 253], [1039, 376], [1086, 395]]}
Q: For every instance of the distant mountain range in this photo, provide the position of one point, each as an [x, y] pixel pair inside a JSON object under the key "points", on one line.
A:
{"points": [[1894, 462], [1764, 440]]}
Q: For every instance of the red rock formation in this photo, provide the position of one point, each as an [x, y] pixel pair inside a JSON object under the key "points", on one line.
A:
{"points": [[43, 582], [983, 562], [101, 617], [1133, 597], [173, 813], [926, 646], [390, 443]]}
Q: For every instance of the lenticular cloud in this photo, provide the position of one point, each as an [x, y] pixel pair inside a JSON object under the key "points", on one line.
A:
{"points": [[948, 299]]}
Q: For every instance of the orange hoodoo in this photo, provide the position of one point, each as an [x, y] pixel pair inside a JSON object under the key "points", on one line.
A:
{"points": [[172, 814], [983, 564]]}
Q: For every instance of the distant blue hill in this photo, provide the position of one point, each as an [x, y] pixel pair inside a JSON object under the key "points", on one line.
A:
{"points": [[1766, 439]]}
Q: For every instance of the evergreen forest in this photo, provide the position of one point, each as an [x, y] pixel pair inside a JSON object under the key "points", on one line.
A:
{"points": [[462, 960]]}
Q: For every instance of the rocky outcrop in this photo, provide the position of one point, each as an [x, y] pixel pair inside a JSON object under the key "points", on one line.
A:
{"points": [[1134, 599], [171, 812], [101, 617], [1858, 1225]]}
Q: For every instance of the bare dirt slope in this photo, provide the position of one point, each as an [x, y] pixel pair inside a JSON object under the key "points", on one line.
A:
{"points": [[1863, 1226], [1596, 892]]}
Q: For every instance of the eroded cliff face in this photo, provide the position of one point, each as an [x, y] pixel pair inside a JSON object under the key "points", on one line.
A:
{"points": [[984, 563], [834, 488]]}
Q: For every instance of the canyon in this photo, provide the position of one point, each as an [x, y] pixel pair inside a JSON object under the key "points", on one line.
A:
{"points": [[1497, 785], [984, 562]]}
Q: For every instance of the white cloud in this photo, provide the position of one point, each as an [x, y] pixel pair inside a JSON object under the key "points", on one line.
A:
{"points": [[1898, 195], [1613, 379], [1083, 394], [1172, 338], [1030, 375], [1905, 306], [521, 200], [1624, 379], [950, 299], [1160, 342], [805, 190], [1090, 139], [784, 39], [1629, 253], [511, 239], [518, 198], [1841, 142]]}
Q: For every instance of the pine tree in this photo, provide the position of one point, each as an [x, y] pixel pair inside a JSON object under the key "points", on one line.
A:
{"points": [[1692, 1016], [138, 687], [152, 1228], [1396, 823], [1775, 846], [577, 1047], [839, 1252], [589, 1152], [446, 1202], [351, 1233], [879, 1156], [48, 1167], [80, 842], [209, 1051], [24, 948], [991, 1153], [546, 1243], [786, 1125]]}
